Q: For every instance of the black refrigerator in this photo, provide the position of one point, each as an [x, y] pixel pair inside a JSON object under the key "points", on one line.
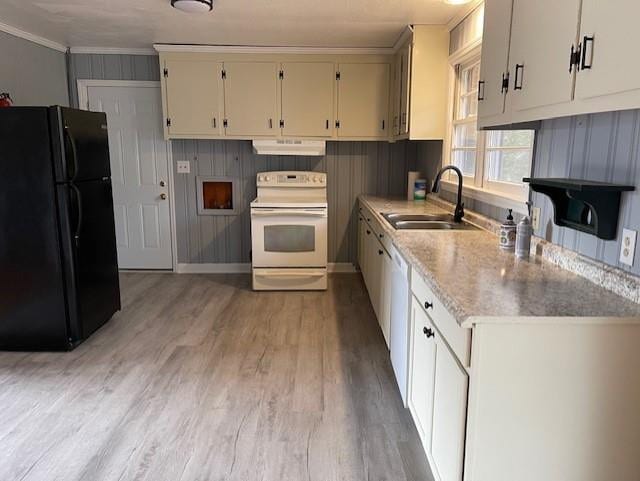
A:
{"points": [[58, 261]]}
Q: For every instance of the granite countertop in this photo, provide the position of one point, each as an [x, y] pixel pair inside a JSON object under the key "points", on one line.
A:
{"points": [[475, 279]]}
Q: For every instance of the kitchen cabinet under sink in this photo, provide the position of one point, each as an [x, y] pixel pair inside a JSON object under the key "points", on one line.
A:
{"points": [[500, 397]]}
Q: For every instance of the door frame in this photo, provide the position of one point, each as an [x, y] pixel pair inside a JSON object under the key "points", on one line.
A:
{"points": [[83, 103]]}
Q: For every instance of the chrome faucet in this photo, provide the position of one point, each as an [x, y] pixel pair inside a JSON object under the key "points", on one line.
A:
{"points": [[459, 212]]}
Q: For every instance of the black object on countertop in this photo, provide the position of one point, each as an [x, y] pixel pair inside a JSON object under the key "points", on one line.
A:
{"points": [[58, 262], [584, 205]]}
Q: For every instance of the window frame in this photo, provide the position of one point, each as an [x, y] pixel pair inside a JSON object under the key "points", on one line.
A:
{"points": [[478, 186]]}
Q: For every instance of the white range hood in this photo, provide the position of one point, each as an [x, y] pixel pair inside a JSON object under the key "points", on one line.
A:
{"points": [[289, 147]]}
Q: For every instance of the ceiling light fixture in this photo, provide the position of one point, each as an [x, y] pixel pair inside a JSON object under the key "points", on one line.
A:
{"points": [[193, 6]]}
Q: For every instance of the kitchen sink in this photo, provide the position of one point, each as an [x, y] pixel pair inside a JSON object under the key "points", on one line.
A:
{"points": [[425, 222]]}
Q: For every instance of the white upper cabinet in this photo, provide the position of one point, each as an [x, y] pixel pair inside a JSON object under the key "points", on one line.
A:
{"points": [[405, 86], [426, 76], [564, 58], [307, 99], [363, 100], [395, 95], [608, 64], [494, 68], [251, 99], [194, 97], [309, 95], [542, 35]]}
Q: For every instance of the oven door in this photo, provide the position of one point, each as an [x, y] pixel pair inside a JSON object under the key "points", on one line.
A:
{"points": [[289, 237]]}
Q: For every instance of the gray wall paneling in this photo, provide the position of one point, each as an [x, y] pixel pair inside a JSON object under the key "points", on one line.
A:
{"points": [[352, 168], [110, 67], [603, 147], [31, 73]]}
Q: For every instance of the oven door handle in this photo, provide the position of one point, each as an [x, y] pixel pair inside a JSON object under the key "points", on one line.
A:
{"points": [[292, 212], [288, 274]]}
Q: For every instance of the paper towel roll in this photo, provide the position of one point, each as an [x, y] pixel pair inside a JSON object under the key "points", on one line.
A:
{"points": [[412, 176]]}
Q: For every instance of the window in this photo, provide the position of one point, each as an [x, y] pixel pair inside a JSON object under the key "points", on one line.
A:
{"points": [[465, 136], [492, 161]]}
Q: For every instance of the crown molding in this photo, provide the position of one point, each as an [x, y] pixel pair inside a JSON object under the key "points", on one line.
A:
{"points": [[469, 8], [163, 47], [406, 34], [113, 51], [45, 42]]}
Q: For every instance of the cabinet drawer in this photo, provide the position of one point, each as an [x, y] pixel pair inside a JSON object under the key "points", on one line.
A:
{"points": [[458, 338], [376, 227]]}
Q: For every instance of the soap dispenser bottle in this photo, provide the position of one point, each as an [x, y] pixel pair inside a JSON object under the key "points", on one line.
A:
{"points": [[508, 233]]}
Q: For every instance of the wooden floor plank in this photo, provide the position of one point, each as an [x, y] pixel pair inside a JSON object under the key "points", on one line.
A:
{"points": [[199, 378]]}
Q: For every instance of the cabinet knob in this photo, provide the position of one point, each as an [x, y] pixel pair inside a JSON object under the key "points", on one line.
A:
{"points": [[163, 196], [368, 232], [428, 332], [381, 236], [380, 252], [428, 305]]}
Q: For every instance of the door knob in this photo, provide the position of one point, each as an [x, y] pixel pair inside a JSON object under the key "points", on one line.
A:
{"points": [[428, 305], [428, 332], [162, 183], [163, 196]]}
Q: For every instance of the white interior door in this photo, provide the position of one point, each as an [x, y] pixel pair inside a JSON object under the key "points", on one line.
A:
{"points": [[139, 173]]}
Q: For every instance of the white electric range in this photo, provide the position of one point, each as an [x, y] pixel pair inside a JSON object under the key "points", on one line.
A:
{"points": [[289, 231]]}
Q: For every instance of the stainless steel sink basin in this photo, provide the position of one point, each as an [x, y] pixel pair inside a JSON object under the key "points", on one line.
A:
{"points": [[418, 217], [425, 222]]}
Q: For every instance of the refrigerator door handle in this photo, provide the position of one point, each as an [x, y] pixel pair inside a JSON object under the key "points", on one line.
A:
{"points": [[76, 235], [74, 153]]}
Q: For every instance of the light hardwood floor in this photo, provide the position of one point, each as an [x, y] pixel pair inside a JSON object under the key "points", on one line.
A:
{"points": [[200, 379]]}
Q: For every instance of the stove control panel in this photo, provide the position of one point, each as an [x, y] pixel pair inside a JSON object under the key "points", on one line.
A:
{"points": [[291, 179]]}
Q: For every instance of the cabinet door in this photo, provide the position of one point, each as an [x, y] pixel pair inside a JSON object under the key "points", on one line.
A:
{"points": [[363, 100], [307, 99], [422, 364], [386, 280], [376, 269], [250, 98], [494, 66], [541, 38], [405, 86], [361, 242], [193, 90], [369, 260], [606, 30], [396, 94], [449, 414]]}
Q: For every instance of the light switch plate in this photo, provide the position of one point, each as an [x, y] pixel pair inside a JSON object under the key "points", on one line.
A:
{"points": [[628, 247], [535, 218], [184, 167]]}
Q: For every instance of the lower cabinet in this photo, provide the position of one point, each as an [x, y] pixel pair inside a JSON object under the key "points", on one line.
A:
{"points": [[438, 383], [384, 319], [376, 266], [438, 387], [422, 367]]}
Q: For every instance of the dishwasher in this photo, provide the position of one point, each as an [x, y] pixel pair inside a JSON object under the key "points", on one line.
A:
{"points": [[400, 325]]}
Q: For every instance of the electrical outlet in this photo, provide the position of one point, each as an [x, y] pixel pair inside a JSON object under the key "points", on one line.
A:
{"points": [[628, 247], [184, 167], [535, 218]]}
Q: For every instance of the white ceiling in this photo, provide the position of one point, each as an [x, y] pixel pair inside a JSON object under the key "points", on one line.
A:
{"points": [[140, 23]]}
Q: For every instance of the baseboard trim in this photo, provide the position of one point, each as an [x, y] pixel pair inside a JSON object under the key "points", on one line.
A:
{"points": [[245, 268], [212, 268]]}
